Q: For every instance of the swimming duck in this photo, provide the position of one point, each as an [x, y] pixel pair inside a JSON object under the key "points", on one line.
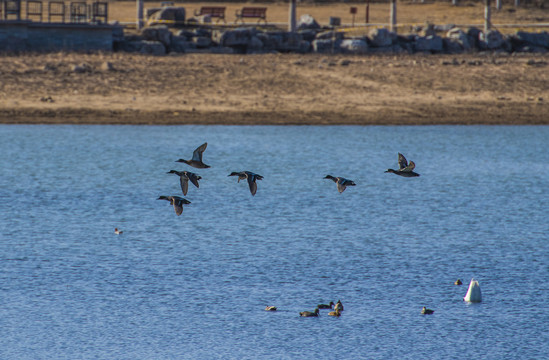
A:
{"points": [[270, 308], [338, 306], [335, 313], [458, 282], [342, 183], [184, 177], [196, 161], [326, 306], [309, 314], [117, 232], [426, 311], [405, 168], [176, 201], [250, 176]]}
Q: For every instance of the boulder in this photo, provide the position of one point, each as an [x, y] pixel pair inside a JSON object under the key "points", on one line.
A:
{"points": [[473, 34], [452, 46], [238, 37], [153, 48], [201, 42], [432, 43], [180, 44], [491, 40], [330, 35], [307, 22], [255, 44], [354, 46], [159, 33], [326, 46], [534, 39], [381, 37], [458, 36], [308, 34]]}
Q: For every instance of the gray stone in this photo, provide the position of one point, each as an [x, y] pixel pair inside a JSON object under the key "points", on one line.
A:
{"points": [[255, 44], [460, 37], [452, 46], [153, 48], [432, 43], [201, 42], [354, 46], [131, 45], [330, 35], [535, 39], [236, 37], [491, 40], [289, 42], [306, 21], [381, 37], [159, 33], [308, 34], [326, 46], [168, 14]]}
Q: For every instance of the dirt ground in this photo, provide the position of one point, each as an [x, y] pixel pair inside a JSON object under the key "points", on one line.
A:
{"points": [[275, 89], [285, 88]]}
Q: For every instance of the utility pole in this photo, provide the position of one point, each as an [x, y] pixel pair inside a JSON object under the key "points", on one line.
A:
{"points": [[139, 23], [486, 16], [393, 15]]}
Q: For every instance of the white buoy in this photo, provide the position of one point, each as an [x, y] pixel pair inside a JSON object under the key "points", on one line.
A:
{"points": [[473, 294]]}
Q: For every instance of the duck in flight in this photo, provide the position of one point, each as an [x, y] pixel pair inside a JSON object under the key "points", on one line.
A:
{"points": [[341, 182], [405, 169], [176, 201], [250, 176], [184, 177], [196, 161]]}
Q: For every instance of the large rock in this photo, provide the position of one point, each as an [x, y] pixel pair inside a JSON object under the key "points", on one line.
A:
{"points": [[307, 22], [153, 48], [458, 36], [330, 35], [452, 46], [201, 42], [326, 46], [181, 44], [240, 37], [381, 37], [534, 39], [432, 43], [491, 40], [159, 33], [354, 46]]}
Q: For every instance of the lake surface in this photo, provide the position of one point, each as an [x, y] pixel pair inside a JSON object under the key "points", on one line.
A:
{"points": [[194, 286]]}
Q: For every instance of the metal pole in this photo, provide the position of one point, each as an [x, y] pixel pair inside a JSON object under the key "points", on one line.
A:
{"points": [[367, 11], [517, 3], [292, 20], [498, 5], [139, 23], [454, 2], [486, 16], [393, 15]]}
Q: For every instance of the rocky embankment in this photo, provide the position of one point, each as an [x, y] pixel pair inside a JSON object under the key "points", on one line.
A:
{"points": [[313, 38]]}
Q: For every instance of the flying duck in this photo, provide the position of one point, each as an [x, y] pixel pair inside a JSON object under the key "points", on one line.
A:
{"points": [[342, 183], [270, 308], [405, 168], [250, 176], [426, 311], [338, 306], [335, 313], [117, 232], [196, 161], [326, 306], [309, 314], [176, 201], [184, 177]]}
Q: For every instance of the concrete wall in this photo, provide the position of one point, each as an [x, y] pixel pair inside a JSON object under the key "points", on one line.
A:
{"points": [[45, 37]]}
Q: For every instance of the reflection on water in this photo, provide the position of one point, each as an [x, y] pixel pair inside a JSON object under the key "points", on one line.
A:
{"points": [[195, 286]]}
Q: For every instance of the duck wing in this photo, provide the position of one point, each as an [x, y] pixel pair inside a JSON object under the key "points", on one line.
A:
{"points": [[184, 180], [402, 162], [252, 184], [178, 204], [193, 178], [411, 166], [197, 154]]}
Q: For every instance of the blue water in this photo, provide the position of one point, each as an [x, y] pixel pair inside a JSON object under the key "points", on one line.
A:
{"points": [[195, 286]]}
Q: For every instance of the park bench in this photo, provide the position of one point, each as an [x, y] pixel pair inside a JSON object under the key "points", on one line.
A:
{"points": [[213, 11], [251, 12]]}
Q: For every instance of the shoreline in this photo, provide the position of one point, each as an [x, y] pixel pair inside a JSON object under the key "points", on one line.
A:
{"points": [[275, 89]]}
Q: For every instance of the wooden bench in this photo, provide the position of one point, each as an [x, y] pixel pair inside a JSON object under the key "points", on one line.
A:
{"points": [[213, 11], [251, 12]]}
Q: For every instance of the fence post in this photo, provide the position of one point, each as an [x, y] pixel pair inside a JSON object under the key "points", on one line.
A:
{"points": [[486, 16], [454, 2], [292, 20], [139, 23], [498, 5], [393, 16], [517, 3]]}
